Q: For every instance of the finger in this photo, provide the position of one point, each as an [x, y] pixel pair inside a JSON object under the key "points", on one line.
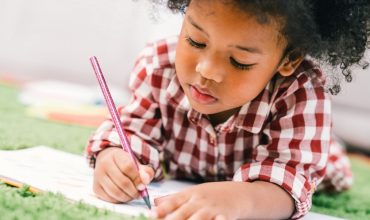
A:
{"points": [[98, 189], [146, 174], [169, 205], [125, 165], [182, 212], [123, 182], [202, 214], [158, 201], [101, 194], [220, 217], [113, 190]]}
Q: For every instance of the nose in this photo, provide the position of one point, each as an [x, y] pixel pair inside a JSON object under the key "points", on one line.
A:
{"points": [[210, 68]]}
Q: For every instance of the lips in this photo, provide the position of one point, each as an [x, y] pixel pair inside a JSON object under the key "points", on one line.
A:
{"points": [[203, 96]]}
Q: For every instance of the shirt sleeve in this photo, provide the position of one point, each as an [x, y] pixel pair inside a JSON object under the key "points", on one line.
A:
{"points": [[294, 152], [141, 120]]}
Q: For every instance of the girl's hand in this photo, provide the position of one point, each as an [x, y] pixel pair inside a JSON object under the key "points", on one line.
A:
{"points": [[216, 200], [116, 178]]}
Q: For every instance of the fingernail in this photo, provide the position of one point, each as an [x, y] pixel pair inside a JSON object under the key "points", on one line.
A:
{"points": [[140, 187]]}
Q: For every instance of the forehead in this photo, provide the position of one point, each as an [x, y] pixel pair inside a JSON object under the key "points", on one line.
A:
{"points": [[233, 20]]}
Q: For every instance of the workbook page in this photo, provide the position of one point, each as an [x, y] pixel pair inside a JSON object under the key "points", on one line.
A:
{"points": [[56, 171]]}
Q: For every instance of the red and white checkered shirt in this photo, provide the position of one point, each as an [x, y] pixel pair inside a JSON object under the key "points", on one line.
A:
{"points": [[283, 136]]}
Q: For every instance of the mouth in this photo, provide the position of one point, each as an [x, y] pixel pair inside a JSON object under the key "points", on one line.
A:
{"points": [[202, 96]]}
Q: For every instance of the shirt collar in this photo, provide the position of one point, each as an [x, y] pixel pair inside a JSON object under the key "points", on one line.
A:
{"points": [[252, 115]]}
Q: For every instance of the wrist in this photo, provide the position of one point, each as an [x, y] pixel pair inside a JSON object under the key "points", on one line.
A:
{"points": [[105, 151]]}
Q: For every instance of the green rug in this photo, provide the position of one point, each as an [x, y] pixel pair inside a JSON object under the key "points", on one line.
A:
{"points": [[17, 130]]}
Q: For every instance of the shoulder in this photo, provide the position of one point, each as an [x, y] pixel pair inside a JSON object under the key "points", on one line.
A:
{"points": [[307, 77], [159, 54], [304, 87], [155, 66], [155, 58]]}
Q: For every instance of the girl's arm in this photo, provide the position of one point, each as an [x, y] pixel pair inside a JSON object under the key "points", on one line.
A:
{"points": [[141, 118], [299, 134], [268, 201]]}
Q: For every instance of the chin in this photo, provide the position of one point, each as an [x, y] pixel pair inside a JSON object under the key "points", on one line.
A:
{"points": [[208, 110], [203, 109]]}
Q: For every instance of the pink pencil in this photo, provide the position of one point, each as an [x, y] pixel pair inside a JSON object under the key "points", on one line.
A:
{"points": [[117, 123]]}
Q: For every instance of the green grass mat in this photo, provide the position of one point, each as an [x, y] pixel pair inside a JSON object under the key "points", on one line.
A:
{"points": [[20, 204], [20, 131], [17, 130]]}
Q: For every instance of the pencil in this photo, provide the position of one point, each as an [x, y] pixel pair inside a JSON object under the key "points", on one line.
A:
{"points": [[116, 120], [15, 183]]}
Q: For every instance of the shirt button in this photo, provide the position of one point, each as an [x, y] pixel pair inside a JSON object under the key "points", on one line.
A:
{"points": [[226, 129], [221, 171], [221, 174], [212, 140], [211, 170]]}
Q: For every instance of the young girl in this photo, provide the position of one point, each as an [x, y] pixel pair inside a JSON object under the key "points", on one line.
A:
{"points": [[235, 101]]}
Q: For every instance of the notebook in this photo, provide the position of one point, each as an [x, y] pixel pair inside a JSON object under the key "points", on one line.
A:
{"points": [[47, 169]]}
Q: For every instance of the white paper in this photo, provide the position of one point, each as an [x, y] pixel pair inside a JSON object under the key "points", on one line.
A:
{"points": [[56, 171]]}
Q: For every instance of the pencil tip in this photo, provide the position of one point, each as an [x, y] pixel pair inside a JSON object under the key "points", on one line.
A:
{"points": [[147, 202]]}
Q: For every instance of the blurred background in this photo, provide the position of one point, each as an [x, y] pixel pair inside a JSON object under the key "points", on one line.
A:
{"points": [[53, 40]]}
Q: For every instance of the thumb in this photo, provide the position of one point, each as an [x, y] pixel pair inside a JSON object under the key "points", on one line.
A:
{"points": [[146, 174]]}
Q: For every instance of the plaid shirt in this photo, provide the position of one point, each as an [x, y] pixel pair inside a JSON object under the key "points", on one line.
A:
{"points": [[283, 136]]}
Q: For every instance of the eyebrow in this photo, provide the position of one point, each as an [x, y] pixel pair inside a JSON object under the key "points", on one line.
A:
{"points": [[196, 25], [247, 49]]}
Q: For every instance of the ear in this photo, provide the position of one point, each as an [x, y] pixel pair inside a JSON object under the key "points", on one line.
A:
{"points": [[287, 67]]}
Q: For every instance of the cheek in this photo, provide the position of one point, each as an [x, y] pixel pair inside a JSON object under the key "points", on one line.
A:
{"points": [[238, 94], [242, 89], [186, 60]]}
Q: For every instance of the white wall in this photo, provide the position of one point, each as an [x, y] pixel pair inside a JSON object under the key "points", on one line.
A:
{"points": [[54, 38], [351, 110], [357, 92]]}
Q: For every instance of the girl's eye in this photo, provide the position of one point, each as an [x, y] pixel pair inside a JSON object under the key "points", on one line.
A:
{"points": [[240, 65], [195, 44]]}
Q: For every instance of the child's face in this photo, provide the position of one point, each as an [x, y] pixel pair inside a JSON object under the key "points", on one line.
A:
{"points": [[224, 57]]}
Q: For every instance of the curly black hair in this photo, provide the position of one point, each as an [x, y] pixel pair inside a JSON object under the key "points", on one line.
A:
{"points": [[335, 32]]}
